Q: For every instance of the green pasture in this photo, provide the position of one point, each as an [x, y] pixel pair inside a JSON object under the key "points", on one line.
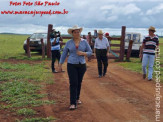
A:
{"points": [[12, 46], [21, 82]]}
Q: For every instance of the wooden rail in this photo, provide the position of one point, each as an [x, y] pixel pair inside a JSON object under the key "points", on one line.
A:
{"points": [[121, 45]]}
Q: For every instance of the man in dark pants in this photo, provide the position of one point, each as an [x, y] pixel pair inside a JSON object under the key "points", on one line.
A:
{"points": [[101, 49], [55, 50]]}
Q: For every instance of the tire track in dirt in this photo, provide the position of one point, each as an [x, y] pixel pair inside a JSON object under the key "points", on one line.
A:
{"points": [[138, 94], [115, 107]]}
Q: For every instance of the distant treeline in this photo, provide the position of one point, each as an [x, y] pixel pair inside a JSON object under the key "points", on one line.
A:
{"points": [[62, 35], [14, 34]]}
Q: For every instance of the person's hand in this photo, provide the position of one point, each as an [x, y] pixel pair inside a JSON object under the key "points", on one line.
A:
{"points": [[80, 53], [60, 68], [95, 55], [107, 55], [140, 55]]}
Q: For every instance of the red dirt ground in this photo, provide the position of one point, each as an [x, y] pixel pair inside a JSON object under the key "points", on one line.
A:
{"points": [[120, 96]]}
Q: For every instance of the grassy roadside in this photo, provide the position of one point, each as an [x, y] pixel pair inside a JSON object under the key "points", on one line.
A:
{"points": [[135, 64], [20, 86], [22, 80]]}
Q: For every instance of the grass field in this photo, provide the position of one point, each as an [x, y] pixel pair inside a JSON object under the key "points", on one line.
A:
{"points": [[21, 82], [12, 47]]}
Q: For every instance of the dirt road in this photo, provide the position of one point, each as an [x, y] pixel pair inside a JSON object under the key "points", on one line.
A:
{"points": [[121, 96]]}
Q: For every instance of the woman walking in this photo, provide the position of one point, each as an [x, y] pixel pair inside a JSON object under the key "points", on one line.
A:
{"points": [[76, 65]]}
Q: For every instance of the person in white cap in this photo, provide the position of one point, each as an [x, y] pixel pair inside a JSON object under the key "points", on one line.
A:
{"points": [[147, 52], [101, 49], [77, 48]]}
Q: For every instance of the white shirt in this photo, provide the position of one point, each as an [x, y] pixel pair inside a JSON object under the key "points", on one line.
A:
{"points": [[57, 44], [101, 44]]}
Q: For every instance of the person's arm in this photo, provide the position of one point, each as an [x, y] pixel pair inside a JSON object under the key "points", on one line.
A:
{"points": [[95, 47], [141, 50], [95, 50], [91, 40], [63, 57], [53, 43], [108, 47], [88, 51], [60, 39]]}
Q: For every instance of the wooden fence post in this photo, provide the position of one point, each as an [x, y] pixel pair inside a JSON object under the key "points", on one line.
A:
{"points": [[122, 44], [43, 48], [129, 50], [139, 54], [50, 27], [28, 48]]}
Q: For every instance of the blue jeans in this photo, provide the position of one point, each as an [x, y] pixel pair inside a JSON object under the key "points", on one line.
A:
{"points": [[147, 58]]}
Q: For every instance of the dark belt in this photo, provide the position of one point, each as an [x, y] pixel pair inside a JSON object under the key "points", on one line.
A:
{"points": [[101, 51], [77, 65]]}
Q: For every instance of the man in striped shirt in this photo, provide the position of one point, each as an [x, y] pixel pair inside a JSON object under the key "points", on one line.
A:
{"points": [[150, 43]]}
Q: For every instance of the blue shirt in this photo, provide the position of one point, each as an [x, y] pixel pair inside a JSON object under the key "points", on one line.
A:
{"points": [[101, 44], [57, 45], [71, 49]]}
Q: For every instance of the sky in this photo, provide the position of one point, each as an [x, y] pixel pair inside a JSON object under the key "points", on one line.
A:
{"points": [[84, 13]]}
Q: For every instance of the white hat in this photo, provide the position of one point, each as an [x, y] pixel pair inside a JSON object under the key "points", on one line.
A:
{"points": [[100, 32], [74, 28]]}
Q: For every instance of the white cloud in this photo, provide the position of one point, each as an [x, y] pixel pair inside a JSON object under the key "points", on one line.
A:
{"points": [[130, 9], [145, 19], [112, 18], [155, 10], [141, 13], [122, 10], [108, 7]]}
